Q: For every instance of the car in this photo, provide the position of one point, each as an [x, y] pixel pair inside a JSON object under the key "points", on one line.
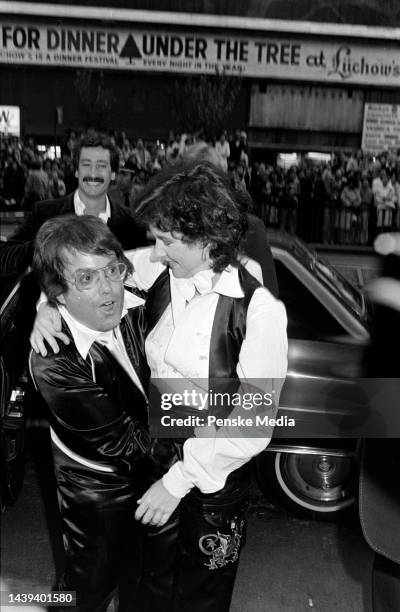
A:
{"points": [[313, 473]]}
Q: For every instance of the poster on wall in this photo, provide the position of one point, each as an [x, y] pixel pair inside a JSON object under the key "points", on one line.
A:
{"points": [[381, 128], [10, 120]]}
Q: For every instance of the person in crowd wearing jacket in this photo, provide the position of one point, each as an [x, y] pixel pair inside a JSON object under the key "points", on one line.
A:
{"points": [[384, 201]]}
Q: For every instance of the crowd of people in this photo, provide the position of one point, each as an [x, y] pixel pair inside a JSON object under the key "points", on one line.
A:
{"points": [[347, 200]]}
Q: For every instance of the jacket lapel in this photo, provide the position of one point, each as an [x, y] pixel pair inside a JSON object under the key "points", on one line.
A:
{"points": [[112, 376], [158, 298], [67, 205]]}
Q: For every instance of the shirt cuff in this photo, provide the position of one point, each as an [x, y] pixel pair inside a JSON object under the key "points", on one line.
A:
{"points": [[42, 300], [176, 482]]}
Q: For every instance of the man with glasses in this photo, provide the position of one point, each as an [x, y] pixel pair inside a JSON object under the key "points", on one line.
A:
{"points": [[94, 388]]}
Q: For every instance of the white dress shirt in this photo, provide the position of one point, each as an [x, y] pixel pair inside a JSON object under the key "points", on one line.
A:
{"points": [[80, 208], [184, 325]]}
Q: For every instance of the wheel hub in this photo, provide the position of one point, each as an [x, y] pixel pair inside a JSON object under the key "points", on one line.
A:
{"points": [[321, 480]]}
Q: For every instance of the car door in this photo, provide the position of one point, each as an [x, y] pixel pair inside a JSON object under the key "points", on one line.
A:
{"points": [[327, 345], [311, 470], [17, 308]]}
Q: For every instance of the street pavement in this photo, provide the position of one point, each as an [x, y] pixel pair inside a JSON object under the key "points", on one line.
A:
{"points": [[288, 565], [292, 565]]}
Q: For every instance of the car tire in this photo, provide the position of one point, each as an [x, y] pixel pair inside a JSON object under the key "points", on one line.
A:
{"points": [[309, 486]]}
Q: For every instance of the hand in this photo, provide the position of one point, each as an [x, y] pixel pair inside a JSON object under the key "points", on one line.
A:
{"points": [[156, 505], [47, 326]]}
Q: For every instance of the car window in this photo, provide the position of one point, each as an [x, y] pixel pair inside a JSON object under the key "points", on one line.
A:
{"points": [[343, 290], [307, 316]]}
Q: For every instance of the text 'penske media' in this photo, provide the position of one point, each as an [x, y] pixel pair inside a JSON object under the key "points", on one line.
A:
{"points": [[237, 421]]}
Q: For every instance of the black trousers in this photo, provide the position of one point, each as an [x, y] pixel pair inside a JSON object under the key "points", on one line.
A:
{"points": [[385, 585], [190, 563], [102, 539]]}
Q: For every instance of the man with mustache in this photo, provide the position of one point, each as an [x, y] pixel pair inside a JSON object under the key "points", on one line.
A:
{"points": [[96, 162]]}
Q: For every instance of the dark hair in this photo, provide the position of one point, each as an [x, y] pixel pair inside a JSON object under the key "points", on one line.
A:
{"points": [[97, 139], [35, 164], [70, 233], [195, 199], [202, 152]]}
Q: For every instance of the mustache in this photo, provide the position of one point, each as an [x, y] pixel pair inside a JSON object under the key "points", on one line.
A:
{"points": [[93, 179]]}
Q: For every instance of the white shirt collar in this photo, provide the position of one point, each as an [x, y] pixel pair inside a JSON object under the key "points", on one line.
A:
{"points": [[80, 208], [227, 284], [84, 336]]}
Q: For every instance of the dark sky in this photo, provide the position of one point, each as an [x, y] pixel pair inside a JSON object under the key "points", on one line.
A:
{"points": [[360, 12]]}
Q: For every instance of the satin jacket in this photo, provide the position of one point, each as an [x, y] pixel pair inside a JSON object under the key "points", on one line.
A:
{"points": [[95, 409]]}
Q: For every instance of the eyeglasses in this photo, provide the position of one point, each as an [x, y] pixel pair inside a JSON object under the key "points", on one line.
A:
{"points": [[87, 278]]}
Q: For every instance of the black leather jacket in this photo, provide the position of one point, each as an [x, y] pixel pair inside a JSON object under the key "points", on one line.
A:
{"points": [[94, 407]]}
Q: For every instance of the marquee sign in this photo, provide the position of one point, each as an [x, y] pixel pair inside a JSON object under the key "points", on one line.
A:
{"points": [[261, 56]]}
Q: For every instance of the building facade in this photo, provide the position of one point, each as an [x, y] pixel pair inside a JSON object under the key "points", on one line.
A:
{"points": [[305, 83]]}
